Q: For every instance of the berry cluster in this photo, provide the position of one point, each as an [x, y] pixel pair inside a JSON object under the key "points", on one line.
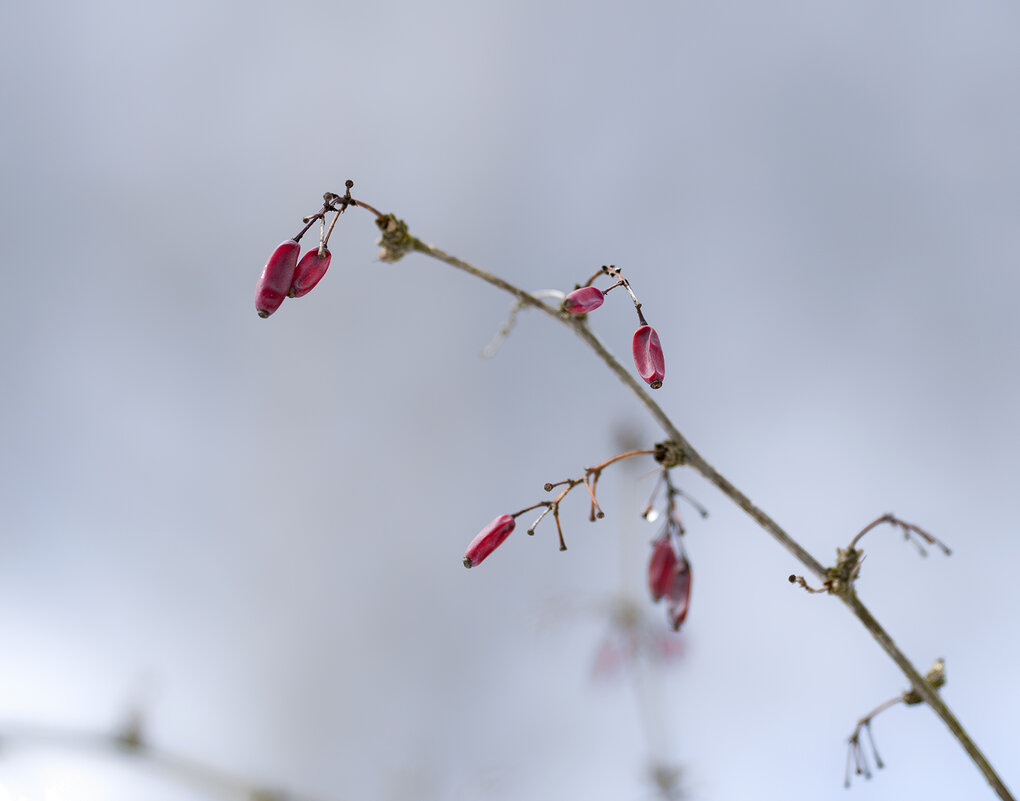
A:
{"points": [[284, 276], [669, 572], [647, 350], [669, 577]]}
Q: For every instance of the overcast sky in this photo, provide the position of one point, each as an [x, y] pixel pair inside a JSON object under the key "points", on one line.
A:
{"points": [[252, 529]]}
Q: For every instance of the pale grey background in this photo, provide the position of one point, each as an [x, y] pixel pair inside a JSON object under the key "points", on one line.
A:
{"points": [[254, 528]]}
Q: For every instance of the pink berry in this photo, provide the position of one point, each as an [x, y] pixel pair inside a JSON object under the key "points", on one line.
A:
{"points": [[661, 568], [648, 356], [276, 278], [309, 272], [488, 540], [679, 597], [583, 300]]}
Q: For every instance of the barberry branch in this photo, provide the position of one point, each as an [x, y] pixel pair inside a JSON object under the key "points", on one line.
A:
{"points": [[397, 241]]}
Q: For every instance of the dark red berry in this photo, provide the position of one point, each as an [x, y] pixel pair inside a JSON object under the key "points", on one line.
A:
{"points": [[583, 300], [648, 356], [679, 597], [661, 568], [309, 272], [488, 540], [276, 278]]}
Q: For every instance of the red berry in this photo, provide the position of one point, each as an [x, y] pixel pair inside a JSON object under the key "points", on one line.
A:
{"points": [[276, 278], [583, 300], [648, 356], [661, 568], [679, 597], [309, 272], [488, 540]]}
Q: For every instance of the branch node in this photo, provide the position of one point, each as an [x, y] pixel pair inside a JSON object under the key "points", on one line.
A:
{"points": [[395, 239], [669, 454], [936, 677]]}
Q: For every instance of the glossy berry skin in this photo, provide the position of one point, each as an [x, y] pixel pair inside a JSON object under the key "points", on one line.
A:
{"points": [[679, 597], [276, 278], [488, 540], [648, 356], [661, 568], [583, 300], [309, 272]]}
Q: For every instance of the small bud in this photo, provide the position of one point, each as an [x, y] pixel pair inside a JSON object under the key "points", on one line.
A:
{"points": [[488, 540], [583, 300], [309, 272], [277, 276], [661, 567], [679, 596], [648, 356]]}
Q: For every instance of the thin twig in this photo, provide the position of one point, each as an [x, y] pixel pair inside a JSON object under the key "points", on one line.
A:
{"points": [[908, 530]]}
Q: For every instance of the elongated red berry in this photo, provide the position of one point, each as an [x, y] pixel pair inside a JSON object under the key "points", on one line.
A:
{"points": [[648, 356], [679, 597], [583, 300], [309, 272], [276, 278], [661, 568], [488, 540]]}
